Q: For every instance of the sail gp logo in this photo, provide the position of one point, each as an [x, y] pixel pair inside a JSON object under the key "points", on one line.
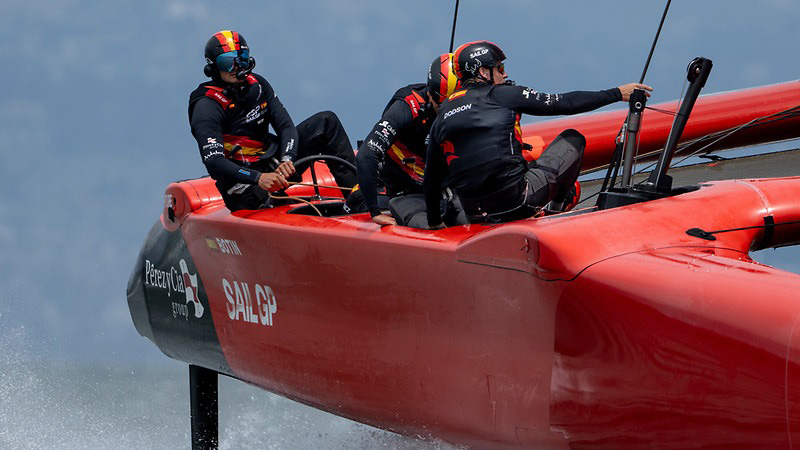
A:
{"points": [[179, 282], [256, 304]]}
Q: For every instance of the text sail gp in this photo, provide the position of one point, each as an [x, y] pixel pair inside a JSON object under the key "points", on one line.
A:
{"points": [[241, 306]]}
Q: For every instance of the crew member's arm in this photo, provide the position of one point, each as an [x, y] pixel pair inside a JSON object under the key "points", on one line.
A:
{"points": [[282, 123], [435, 167], [529, 101], [206, 123], [374, 149]]}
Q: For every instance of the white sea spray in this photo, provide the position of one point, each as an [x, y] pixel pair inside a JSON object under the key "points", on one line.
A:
{"points": [[71, 406]]}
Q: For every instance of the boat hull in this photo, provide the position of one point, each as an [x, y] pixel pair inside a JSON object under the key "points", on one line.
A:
{"points": [[561, 332]]}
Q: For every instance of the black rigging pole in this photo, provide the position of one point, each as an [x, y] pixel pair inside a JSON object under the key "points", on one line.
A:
{"points": [[453, 34], [696, 74], [655, 40], [624, 153], [637, 102]]}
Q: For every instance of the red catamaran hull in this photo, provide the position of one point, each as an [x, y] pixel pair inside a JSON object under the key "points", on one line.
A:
{"points": [[594, 329]]}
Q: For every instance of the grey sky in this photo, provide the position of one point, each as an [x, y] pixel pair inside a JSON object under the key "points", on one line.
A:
{"points": [[93, 116]]}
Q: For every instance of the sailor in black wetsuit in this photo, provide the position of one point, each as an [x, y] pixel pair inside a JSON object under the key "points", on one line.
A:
{"points": [[393, 154], [476, 142], [230, 118]]}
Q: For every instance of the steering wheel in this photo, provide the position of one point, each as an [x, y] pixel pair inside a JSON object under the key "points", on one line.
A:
{"points": [[327, 159]]}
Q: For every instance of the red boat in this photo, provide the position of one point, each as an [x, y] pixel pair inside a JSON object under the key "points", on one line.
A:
{"points": [[640, 326]]}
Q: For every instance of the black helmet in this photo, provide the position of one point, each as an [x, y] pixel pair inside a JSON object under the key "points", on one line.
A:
{"points": [[442, 80], [471, 56], [225, 50]]}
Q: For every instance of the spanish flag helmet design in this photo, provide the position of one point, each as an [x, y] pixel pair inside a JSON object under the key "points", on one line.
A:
{"points": [[442, 80], [228, 50]]}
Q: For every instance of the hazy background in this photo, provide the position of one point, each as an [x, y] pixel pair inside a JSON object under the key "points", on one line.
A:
{"points": [[93, 119]]}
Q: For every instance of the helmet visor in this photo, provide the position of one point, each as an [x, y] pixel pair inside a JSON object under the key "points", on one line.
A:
{"points": [[225, 61]]}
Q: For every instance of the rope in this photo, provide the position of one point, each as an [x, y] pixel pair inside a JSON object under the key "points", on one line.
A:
{"points": [[781, 115], [297, 199], [662, 111], [320, 185], [302, 200]]}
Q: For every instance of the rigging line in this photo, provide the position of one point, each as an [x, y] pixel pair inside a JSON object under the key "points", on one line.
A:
{"points": [[791, 222], [776, 116], [453, 34], [617, 159], [720, 135], [662, 111], [786, 114], [755, 122], [302, 200], [588, 198], [677, 108], [300, 183], [681, 99], [297, 199], [707, 145]]}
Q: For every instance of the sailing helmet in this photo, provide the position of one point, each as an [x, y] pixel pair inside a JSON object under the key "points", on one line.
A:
{"points": [[471, 56], [225, 50], [442, 80]]}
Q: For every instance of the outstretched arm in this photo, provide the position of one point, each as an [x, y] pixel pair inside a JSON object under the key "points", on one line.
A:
{"points": [[627, 89], [529, 101]]}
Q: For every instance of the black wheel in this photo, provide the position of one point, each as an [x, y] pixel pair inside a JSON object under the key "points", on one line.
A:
{"points": [[308, 161]]}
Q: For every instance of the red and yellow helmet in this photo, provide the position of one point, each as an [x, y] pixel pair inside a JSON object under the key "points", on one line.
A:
{"points": [[227, 49], [442, 80]]}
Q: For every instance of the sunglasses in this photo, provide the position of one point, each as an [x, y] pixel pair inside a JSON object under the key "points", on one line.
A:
{"points": [[226, 61], [501, 68]]}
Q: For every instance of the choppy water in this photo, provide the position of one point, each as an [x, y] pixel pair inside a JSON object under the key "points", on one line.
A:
{"points": [[93, 407]]}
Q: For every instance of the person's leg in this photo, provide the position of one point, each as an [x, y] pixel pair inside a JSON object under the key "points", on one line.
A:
{"points": [[354, 203], [323, 134], [253, 197], [453, 212], [556, 171], [409, 210], [551, 179]]}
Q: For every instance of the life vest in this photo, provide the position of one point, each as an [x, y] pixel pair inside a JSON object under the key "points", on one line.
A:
{"points": [[409, 148], [238, 147], [219, 93], [478, 138]]}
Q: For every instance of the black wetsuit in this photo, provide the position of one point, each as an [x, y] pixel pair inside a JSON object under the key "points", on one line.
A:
{"points": [[476, 149], [393, 154], [231, 125]]}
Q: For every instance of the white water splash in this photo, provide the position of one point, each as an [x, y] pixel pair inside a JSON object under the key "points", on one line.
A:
{"points": [[62, 406]]}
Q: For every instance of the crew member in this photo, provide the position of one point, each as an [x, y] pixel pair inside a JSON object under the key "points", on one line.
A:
{"points": [[393, 154], [230, 118], [476, 142]]}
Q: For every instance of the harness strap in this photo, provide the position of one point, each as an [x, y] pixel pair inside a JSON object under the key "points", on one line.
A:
{"points": [[415, 102], [218, 93], [510, 199]]}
